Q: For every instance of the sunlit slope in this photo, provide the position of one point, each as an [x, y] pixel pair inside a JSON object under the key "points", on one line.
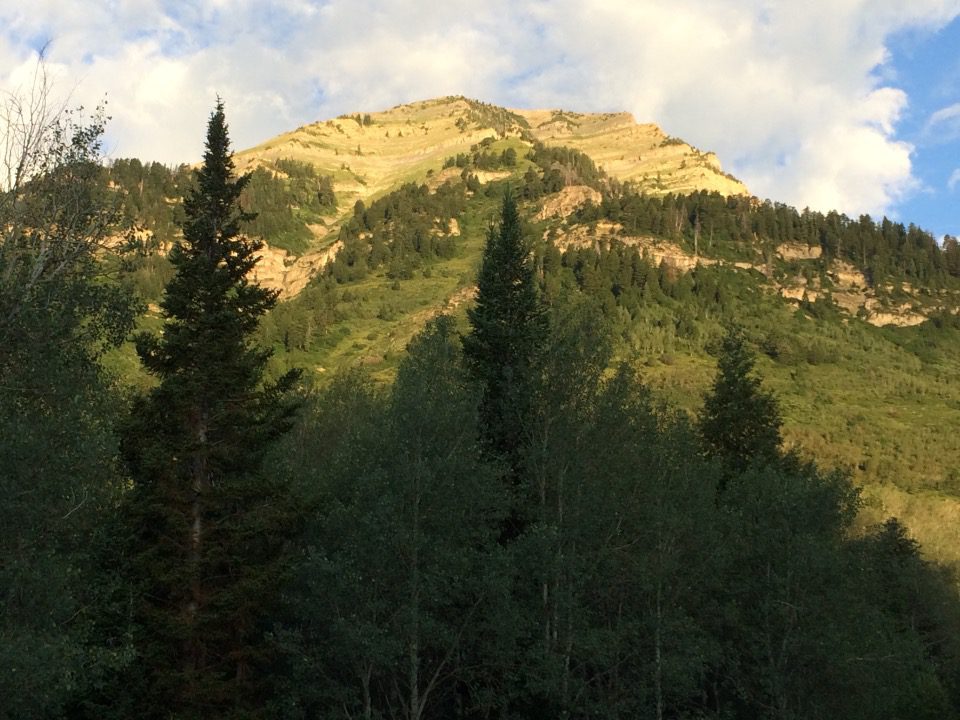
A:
{"points": [[371, 153], [641, 153]]}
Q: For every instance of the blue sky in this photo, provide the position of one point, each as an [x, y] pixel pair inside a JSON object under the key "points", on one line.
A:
{"points": [[831, 104], [927, 65]]}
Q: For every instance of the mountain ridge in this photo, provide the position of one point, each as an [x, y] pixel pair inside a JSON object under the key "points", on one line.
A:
{"points": [[369, 152]]}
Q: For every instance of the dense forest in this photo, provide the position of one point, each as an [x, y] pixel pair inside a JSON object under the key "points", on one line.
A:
{"points": [[885, 250], [402, 230], [514, 526], [282, 198], [289, 194], [737, 226]]}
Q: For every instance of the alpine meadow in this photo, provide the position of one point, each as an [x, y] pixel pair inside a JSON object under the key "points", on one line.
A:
{"points": [[457, 411]]}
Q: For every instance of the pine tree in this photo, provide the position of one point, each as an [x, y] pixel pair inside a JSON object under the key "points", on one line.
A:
{"points": [[509, 329], [208, 523], [740, 422]]}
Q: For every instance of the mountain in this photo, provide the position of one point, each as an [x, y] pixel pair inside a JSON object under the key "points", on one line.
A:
{"points": [[375, 222], [368, 154]]}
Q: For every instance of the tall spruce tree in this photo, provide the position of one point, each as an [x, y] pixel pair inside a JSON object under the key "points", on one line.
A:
{"points": [[208, 524], [508, 333], [740, 422]]}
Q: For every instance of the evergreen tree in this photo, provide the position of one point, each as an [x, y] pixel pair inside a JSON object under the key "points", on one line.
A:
{"points": [[207, 524], [508, 332], [740, 423]]}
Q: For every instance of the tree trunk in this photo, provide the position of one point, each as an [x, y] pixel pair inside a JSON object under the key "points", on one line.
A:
{"points": [[200, 484], [413, 649], [658, 653], [367, 700]]}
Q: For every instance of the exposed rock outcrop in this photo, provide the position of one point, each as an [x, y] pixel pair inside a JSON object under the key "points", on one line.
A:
{"points": [[279, 270], [565, 202]]}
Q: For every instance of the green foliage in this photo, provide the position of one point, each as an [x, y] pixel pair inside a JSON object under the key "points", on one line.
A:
{"points": [[283, 199], [301, 324], [740, 228], [275, 219], [852, 392], [560, 166], [630, 590], [951, 255], [146, 274], [508, 330], [786, 629], [360, 566], [381, 624], [740, 423], [482, 159], [58, 450], [206, 525], [151, 197], [485, 115], [403, 230]]}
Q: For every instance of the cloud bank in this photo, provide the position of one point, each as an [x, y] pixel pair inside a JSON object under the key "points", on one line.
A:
{"points": [[796, 98]]}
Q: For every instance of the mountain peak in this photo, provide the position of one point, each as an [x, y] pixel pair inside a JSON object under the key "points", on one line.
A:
{"points": [[370, 153]]}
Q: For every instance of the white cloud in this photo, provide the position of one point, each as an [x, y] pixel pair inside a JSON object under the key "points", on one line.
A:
{"points": [[954, 180], [947, 114], [788, 94], [785, 92], [944, 124]]}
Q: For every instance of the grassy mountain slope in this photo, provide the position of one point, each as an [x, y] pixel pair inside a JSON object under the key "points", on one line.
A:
{"points": [[878, 402]]}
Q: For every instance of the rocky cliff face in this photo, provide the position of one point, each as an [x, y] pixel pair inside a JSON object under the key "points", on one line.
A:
{"points": [[279, 270]]}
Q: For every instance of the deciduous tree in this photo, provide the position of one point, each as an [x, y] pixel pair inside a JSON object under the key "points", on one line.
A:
{"points": [[58, 451]]}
